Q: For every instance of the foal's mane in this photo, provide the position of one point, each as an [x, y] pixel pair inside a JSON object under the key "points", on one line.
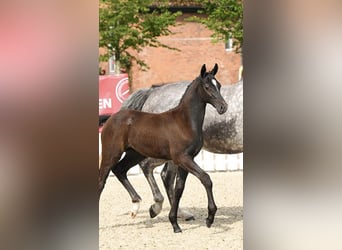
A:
{"points": [[187, 89], [192, 84]]}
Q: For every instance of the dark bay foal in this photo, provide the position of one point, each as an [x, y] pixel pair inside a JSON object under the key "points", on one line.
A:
{"points": [[173, 135]]}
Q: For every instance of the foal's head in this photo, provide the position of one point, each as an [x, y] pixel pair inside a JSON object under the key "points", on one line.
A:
{"points": [[211, 89]]}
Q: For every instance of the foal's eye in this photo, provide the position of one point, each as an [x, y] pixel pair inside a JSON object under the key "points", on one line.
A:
{"points": [[206, 86]]}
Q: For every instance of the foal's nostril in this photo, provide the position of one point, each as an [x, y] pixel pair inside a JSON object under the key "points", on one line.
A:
{"points": [[223, 108]]}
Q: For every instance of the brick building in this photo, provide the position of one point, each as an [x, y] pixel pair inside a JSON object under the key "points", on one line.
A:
{"points": [[194, 42]]}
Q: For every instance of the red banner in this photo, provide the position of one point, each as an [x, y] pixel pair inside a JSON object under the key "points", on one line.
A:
{"points": [[113, 90]]}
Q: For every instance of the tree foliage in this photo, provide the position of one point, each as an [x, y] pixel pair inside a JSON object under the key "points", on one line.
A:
{"points": [[225, 19], [128, 26]]}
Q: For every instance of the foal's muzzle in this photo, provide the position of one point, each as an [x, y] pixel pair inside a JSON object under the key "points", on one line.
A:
{"points": [[221, 107]]}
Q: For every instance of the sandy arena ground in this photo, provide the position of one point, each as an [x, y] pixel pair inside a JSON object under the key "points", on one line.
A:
{"points": [[119, 231]]}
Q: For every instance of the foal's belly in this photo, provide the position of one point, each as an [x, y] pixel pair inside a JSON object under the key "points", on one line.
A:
{"points": [[151, 147]]}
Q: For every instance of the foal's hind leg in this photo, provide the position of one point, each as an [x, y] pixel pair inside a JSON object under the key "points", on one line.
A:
{"points": [[120, 170], [110, 156], [168, 175], [148, 165]]}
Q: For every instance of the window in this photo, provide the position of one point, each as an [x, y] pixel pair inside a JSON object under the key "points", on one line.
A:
{"points": [[229, 45]]}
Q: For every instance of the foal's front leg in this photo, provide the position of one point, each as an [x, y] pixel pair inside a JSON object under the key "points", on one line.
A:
{"points": [[168, 175], [179, 188], [189, 165]]}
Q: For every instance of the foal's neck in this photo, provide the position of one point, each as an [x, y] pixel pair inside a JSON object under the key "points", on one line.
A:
{"points": [[193, 106]]}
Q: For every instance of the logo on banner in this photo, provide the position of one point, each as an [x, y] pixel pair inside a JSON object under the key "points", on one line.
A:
{"points": [[122, 90]]}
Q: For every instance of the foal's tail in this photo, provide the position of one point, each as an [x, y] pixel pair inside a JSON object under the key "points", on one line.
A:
{"points": [[103, 119]]}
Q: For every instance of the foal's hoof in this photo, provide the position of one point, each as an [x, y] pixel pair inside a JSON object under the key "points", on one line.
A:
{"points": [[135, 209], [177, 230], [132, 214], [152, 213], [209, 223]]}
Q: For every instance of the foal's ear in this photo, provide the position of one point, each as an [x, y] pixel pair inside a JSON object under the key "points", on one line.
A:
{"points": [[215, 69], [203, 70]]}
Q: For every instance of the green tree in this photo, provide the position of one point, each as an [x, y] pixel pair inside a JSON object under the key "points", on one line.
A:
{"points": [[128, 26], [224, 17]]}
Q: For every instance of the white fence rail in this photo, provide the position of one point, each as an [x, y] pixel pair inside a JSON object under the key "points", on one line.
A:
{"points": [[208, 161]]}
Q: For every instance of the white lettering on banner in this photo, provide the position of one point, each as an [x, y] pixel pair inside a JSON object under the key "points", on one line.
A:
{"points": [[105, 103]]}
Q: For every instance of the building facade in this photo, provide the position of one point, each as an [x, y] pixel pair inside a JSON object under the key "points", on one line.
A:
{"points": [[196, 48]]}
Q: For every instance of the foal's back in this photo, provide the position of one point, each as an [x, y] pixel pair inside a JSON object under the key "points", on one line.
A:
{"points": [[160, 132]]}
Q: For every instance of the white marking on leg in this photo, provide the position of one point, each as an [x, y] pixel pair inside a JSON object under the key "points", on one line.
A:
{"points": [[135, 209]]}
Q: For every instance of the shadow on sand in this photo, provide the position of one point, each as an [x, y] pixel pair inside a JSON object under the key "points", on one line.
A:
{"points": [[224, 218]]}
